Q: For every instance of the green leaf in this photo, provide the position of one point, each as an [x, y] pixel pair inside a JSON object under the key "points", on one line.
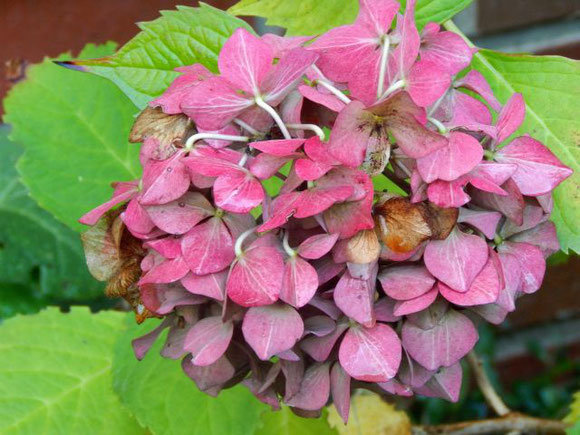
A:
{"points": [[73, 128], [144, 67], [285, 422], [312, 17], [39, 256], [55, 374], [165, 400], [550, 86]]}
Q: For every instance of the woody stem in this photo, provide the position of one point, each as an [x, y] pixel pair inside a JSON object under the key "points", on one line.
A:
{"points": [[491, 397]]}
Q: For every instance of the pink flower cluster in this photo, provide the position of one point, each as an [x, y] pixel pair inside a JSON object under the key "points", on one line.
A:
{"points": [[313, 295]]}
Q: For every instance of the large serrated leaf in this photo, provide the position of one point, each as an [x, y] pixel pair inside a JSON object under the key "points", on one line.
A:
{"points": [[285, 422], [166, 401], [40, 258], [550, 86], [55, 375], [312, 17], [73, 128], [144, 67]]}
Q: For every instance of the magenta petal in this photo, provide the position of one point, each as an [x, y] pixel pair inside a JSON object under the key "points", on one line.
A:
{"points": [[171, 99], [318, 199], [484, 289], [317, 246], [327, 269], [538, 170], [427, 82], [485, 221], [208, 247], [136, 218], [510, 117], [372, 354], [377, 15], [314, 389], [462, 154], [212, 285], [283, 208], [278, 147], [406, 282], [457, 260], [417, 304], [238, 192], [300, 282], [476, 82], [319, 348], [208, 340], [272, 329], [245, 60], [164, 180], [531, 262], [446, 384], [355, 297], [181, 215], [348, 142], [340, 390], [447, 50], [448, 194], [444, 344], [256, 278], [123, 192], [166, 272], [167, 247], [212, 163], [330, 101], [264, 166], [408, 49], [211, 378], [310, 170], [490, 176]]}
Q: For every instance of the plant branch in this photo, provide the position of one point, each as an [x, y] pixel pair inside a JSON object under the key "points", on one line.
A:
{"points": [[491, 397], [511, 422]]}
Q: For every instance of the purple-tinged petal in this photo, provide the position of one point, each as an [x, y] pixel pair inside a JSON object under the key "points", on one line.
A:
{"points": [[208, 247], [319, 325], [348, 218], [531, 262], [355, 297], [406, 282], [340, 390], [385, 310], [393, 386], [294, 373], [208, 340], [327, 269], [299, 283], [181, 215], [272, 329], [462, 154], [510, 117], [314, 389], [447, 50], [402, 308], [444, 344], [427, 82], [141, 345], [533, 216], [484, 220], [457, 260], [445, 383], [210, 378], [511, 205], [256, 278], [412, 373], [370, 354], [492, 313], [543, 236], [319, 348], [212, 285], [538, 170]]}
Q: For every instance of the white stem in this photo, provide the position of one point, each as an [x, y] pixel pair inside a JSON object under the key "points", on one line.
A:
{"points": [[394, 87], [442, 129], [335, 91], [312, 127], [436, 105], [240, 241], [199, 136], [247, 127], [291, 252], [260, 102], [403, 168], [383, 66], [243, 160]]}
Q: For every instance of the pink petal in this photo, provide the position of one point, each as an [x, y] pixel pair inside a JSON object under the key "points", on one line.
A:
{"points": [[330, 101], [531, 262], [355, 297], [256, 278], [245, 60], [309, 170], [212, 285], [456, 260], [533, 215], [417, 304], [347, 219], [490, 176], [208, 247], [300, 282], [406, 282], [171, 99], [238, 192], [340, 390], [211, 378], [485, 221], [213, 163], [314, 389], [123, 192], [327, 269], [167, 247], [538, 170], [447, 50], [136, 218], [446, 384], [377, 15], [164, 181], [208, 340], [272, 329], [348, 142], [449, 163], [408, 49], [319, 348], [371, 355], [181, 215], [264, 166], [427, 82], [444, 344], [278, 147], [317, 246], [510, 117], [511, 205], [492, 313], [476, 82], [166, 272], [283, 208]]}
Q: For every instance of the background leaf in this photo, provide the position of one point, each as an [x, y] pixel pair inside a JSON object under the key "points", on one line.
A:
{"points": [[73, 128], [550, 86], [311, 17], [144, 67], [40, 258], [55, 374], [285, 422], [166, 401]]}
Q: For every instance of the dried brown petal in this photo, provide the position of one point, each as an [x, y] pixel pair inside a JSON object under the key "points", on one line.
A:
{"points": [[153, 123], [441, 220], [363, 248]]}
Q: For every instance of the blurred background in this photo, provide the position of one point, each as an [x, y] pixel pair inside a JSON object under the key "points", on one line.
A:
{"points": [[536, 352]]}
